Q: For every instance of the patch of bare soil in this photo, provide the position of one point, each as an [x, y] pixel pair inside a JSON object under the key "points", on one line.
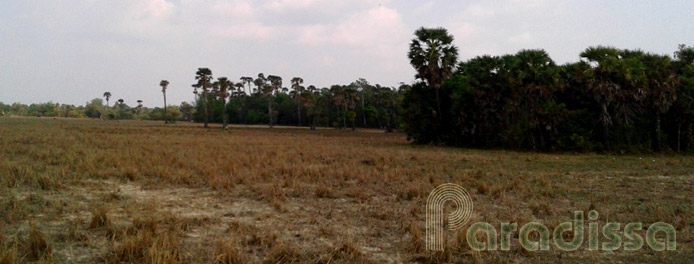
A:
{"points": [[313, 225]]}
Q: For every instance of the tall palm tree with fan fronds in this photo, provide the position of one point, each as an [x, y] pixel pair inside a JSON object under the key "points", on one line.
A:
{"points": [[204, 78], [164, 84], [223, 85], [434, 56]]}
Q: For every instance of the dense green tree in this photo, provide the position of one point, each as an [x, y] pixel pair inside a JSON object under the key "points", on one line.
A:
{"points": [[683, 114], [94, 108], [297, 91], [662, 90], [269, 89], [204, 82], [223, 85], [603, 82], [433, 56]]}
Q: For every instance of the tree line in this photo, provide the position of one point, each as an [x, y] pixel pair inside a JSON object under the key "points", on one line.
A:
{"points": [[96, 108], [260, 100], [267, 99], [610, 100]]}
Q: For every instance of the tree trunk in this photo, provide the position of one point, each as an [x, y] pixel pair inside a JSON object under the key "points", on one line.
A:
{"points": [[204, 104], [269, 109], [363, 109], [224, 113], [165, 109], [389, 129], [378, 117], [542, 140], [679, 135], [605, 128], [657, 132], [344, 118], [313, 121], [298, 109], [438, 102]]}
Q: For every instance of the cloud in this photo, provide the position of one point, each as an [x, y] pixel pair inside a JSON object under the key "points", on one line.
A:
{"points": [[147, 19], [289, 4], [477, 10], [379, 31], [236, 10], [523, 38], [250, 31]]}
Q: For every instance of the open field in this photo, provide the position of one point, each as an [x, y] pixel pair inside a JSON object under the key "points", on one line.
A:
{"points": [[85, 191]]}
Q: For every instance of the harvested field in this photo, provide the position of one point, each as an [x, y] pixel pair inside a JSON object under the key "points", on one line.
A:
{"points": [[85, 191]]}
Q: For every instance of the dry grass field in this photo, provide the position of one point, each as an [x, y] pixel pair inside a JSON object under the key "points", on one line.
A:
{"points": [[91, 191]]}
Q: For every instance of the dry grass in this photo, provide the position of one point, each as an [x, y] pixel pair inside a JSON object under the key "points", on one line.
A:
{"points": [[142, 192]]}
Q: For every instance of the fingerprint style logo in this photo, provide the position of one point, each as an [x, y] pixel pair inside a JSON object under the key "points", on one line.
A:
{"points": [[447, 192]]}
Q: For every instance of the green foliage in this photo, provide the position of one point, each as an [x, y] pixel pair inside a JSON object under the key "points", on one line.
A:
{"points": [[612, 100]]}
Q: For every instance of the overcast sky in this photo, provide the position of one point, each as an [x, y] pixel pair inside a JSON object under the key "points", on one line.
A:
{"points": [[71, 51]]}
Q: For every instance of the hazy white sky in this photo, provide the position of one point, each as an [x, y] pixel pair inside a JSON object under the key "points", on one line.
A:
{"points": [[71, 51]]}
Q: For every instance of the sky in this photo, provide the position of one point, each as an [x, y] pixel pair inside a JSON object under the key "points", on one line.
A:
{"points": [[71, 51]]}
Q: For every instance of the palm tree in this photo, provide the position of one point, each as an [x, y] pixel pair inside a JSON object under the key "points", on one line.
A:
{"points": [[662, 89], [223, 84], [615, 78], [344, 97], [204, 77], [108, 96], [362, 85], [308, 100], [247, 81], [260, 82], [536, 77], [684, 107], [120, 103], [269, 90], [195, 92], [298, 90], [239, 89], [164, 84], [139, 107], [434, 57], [603, 64]]}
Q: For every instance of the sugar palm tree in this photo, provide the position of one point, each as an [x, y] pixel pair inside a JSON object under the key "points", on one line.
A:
{"points": [[164, 84], [344, 97], [536, 78], [298, 90], [139, 107], [362, 85], [434, 56], [223, 84], [204, 78], [269, 90], [308, 100], [247, 81], [683, 108], [615, 79], [662, 89], [260, 82], [107, 95]]}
